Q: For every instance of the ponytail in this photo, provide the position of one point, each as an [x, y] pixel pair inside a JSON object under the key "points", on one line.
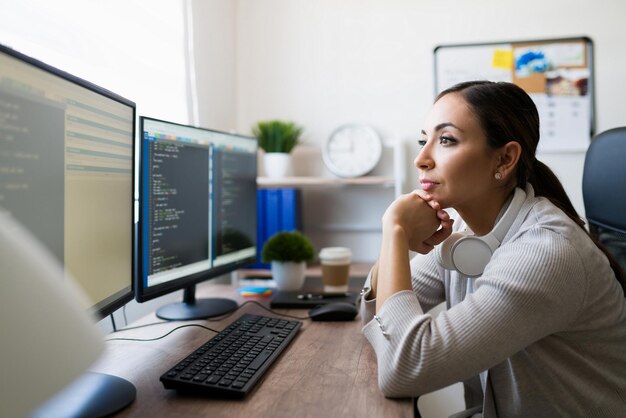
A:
{"points": [[546, 184]]}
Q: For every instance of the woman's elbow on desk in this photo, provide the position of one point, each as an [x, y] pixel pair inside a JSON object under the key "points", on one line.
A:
{"points": [[389, 388], [399, 379], [393, 386]]}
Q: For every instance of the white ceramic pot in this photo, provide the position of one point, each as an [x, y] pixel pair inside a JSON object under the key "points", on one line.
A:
{"points": [[288, 275], [277, 164]]}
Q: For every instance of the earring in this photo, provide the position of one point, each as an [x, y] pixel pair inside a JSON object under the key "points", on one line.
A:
{"points": [[498, 176]]}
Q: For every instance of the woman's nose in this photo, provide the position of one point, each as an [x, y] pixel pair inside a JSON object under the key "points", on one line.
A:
{"points": [[423, 160]]}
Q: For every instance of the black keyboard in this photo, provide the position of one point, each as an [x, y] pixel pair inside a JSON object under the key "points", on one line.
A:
{"points": [[233, 361]]}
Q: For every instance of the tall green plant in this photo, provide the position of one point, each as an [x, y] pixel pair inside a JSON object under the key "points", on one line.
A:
{"points": [[277, 135]]}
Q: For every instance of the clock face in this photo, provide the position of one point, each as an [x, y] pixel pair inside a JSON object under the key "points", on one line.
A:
{"points": [[352, 150]]}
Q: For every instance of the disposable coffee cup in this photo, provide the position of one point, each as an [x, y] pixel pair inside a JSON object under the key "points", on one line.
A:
{"points": [[335, 268]]}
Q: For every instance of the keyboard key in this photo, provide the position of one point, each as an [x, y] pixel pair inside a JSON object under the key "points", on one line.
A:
{"points": [[256, 364], [214, 379]]}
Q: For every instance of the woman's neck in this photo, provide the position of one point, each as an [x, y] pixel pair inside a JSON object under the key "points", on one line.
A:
{"points": [[480, 217]]}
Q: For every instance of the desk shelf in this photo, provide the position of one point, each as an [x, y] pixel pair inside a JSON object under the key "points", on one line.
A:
{"points": [[303, 181], [342, 211]]}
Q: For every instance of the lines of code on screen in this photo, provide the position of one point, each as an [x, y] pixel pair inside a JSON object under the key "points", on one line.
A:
{"points": [[234, 196], [178, 225]]}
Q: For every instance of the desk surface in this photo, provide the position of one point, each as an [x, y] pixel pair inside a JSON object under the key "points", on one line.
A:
{"points": [[329, 370]]}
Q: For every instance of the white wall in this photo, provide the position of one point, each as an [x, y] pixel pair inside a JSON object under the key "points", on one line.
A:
{"points": [[328, 62]]}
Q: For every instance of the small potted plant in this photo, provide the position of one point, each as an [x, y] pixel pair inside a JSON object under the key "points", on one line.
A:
{"points": [[277, 138], [288, 253]]}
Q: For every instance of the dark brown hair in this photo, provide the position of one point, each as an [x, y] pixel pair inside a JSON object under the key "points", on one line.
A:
{"points": [[507, 113]]}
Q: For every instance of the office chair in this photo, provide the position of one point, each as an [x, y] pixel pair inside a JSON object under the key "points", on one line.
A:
{"points": [[604, 187]]}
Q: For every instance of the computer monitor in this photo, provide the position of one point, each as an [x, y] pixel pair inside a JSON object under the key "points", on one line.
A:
{"points": [[197, 209], [67, 164]]}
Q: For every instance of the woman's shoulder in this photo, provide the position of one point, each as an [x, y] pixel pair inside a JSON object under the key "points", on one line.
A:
{"points": [[555, 234], [544, 214]]}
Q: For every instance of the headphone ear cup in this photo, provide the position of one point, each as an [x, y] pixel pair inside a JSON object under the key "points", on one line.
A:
{"points": [[443, 252], [465, 253], [471, 255]]}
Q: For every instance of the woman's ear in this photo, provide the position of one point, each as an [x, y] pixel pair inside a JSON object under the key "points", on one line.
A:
{"points": [[510, 154]]}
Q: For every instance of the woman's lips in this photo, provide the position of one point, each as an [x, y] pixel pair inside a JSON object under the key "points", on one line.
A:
{"points": [[428, 185]]}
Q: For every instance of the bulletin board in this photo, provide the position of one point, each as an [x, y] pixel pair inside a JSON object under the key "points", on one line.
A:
{"points": [[557, 74]]}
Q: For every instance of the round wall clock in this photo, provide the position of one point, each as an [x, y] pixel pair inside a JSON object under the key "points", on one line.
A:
{"points": [[352, 150]]}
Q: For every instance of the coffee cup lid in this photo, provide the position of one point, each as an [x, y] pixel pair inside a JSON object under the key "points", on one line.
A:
{"points": [[333, 253]]}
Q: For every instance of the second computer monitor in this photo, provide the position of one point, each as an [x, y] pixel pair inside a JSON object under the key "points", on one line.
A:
{"points": [[197, 211]]}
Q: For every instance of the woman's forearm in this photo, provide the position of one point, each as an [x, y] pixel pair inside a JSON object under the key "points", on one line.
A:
{"points": [[394, 274], [413, 222], [373, 281]]}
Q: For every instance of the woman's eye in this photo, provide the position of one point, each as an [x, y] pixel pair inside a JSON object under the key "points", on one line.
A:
{"points": [[421, 142], [446, 140]]}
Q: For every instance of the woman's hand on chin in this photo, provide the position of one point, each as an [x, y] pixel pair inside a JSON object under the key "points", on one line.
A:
{"points": [[446, 224], [421, 219]]}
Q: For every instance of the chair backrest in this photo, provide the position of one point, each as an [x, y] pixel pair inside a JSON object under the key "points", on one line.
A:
{"points": [[604, 191]]}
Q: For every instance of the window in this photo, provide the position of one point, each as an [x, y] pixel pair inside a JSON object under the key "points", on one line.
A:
{"points": [[134, 48]]}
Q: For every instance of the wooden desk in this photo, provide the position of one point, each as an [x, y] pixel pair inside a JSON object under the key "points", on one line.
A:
{"points": [[329, 370]]}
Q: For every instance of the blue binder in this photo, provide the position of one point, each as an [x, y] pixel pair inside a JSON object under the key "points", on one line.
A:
{"points": [[273, 212], [261, 231], [290, 216], [277, 210]]}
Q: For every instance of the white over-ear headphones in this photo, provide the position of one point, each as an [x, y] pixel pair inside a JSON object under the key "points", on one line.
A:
{"points": [[469, 254]]}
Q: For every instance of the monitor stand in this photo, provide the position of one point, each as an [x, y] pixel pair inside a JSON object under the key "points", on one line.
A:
{"points": [[93, 395], [190, 308]]}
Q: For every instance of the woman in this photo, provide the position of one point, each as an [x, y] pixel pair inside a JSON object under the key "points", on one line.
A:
{"points": [[537, 330]]}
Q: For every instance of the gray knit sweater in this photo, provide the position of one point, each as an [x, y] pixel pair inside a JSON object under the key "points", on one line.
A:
{"points": [[542, 333]]}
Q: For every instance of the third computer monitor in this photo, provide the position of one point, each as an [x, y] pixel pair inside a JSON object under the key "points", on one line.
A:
{"points": [[198, 213]]}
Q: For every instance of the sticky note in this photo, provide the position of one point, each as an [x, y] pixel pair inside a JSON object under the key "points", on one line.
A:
{"points": [[502, 59]]}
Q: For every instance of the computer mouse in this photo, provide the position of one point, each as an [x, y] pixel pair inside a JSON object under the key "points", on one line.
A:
{"points": [[335, 311]]}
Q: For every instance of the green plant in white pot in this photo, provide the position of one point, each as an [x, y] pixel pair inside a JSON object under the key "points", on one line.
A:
{"points": [[277, 138], [288, 253]]}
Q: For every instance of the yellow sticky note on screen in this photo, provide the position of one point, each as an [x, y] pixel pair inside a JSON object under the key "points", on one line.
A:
{"points": [[502, 59]]}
